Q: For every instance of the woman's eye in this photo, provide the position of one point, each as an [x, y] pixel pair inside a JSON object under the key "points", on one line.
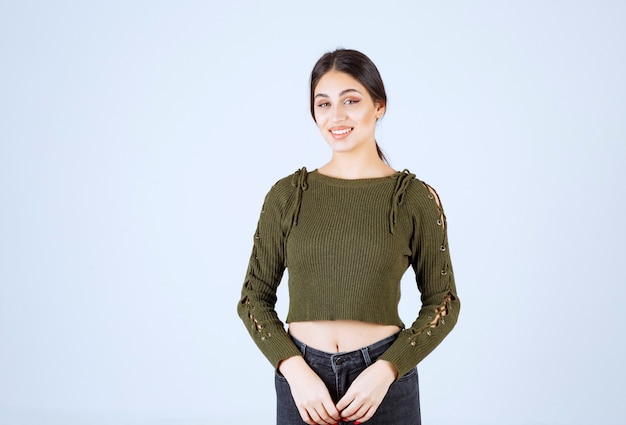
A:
{"points": [[322, 105], [351, 101]]}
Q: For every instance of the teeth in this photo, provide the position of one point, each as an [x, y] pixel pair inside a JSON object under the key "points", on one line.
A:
{"points": [[341, 131]]}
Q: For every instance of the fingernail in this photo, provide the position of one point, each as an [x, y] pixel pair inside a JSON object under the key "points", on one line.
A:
{"points": [[357, 423]]}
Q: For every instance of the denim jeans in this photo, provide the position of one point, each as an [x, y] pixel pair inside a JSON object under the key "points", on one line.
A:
{"points": [[400, 406]]}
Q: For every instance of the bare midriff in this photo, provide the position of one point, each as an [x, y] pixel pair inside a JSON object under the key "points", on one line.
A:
{"points": [[338, 336]]}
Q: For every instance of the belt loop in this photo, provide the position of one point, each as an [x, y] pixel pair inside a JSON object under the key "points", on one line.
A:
{"points": [[366, 356]]}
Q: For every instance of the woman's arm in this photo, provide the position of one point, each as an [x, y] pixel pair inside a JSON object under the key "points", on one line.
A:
{"points": [[256, 307], [435, 281]]}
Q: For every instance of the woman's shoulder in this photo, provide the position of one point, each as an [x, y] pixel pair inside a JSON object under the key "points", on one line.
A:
{"points": [[419, 192], [412, 184], [285, 186], [291, 180]]}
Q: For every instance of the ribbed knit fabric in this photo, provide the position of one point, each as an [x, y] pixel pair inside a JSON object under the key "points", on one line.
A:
{"points": [[346, 244]]}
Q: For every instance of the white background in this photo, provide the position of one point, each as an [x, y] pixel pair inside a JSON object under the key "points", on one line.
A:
{"points": [[138, 139]]}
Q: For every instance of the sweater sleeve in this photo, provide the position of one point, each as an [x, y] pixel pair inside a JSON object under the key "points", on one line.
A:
{"points": [[435, 280], [256, 307]]}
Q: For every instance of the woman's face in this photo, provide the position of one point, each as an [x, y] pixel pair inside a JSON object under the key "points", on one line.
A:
{"points": [[345, 113]]}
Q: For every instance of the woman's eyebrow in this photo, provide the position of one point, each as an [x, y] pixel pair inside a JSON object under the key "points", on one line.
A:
{"points": [[340, 94]]}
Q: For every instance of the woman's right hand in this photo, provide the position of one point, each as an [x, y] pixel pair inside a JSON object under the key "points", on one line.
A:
{"points": [[309, 392]]}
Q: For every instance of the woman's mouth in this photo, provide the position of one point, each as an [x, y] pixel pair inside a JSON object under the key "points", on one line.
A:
{"points": [[340, 133]]}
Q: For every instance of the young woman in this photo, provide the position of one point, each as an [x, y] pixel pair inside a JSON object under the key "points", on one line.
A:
{"points": [[347, 232]]}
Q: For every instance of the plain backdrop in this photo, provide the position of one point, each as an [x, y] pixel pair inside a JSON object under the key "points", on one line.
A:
{"points": [[138, 139]]}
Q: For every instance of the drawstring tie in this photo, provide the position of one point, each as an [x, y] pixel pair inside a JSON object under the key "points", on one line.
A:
{"points": [[299, 181], [402, 182]]}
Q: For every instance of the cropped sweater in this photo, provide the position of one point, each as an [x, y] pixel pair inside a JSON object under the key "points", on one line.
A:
{"points": [[346, 245]]}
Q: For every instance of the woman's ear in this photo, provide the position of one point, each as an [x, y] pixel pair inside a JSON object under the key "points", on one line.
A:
{"points": [[380, 110]]}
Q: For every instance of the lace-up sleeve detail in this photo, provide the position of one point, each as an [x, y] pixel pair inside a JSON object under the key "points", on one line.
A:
{"points": [[256, 307], [435, 280]]}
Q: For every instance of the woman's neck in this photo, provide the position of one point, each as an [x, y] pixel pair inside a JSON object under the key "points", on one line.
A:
{"points": [[348, 167]]}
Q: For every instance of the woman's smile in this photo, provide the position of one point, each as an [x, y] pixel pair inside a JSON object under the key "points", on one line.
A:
{"points": [[341, 132]]}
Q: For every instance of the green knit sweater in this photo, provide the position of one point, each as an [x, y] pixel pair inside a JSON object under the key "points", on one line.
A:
{"points": [[346, 245]]}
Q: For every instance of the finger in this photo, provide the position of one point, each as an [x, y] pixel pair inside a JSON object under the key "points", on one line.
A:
{"points": [[304, 414], [351, 409], [345, 401], [332, 414], [325, 417], [358, 414], [363, 413], [315, 417], [322, 417], [366, 417]]}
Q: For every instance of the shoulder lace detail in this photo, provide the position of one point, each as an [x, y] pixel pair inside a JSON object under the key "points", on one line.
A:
{"points": [[402, 183]]}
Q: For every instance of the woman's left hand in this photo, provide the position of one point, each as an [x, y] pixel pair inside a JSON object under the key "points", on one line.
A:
{"points": [[367, 392]]}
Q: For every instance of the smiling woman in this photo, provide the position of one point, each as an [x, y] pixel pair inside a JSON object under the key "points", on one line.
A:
{"points": [[364, 73], [347, 232]]}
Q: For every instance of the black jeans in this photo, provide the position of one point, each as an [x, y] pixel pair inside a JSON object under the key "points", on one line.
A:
{"points": [[400, 406]]}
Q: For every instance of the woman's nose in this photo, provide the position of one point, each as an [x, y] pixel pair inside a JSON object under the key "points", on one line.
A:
{"points": [[338, 113]]}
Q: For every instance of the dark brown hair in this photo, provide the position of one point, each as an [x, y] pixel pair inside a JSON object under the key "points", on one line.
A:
{"points": [[359, 67]]}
